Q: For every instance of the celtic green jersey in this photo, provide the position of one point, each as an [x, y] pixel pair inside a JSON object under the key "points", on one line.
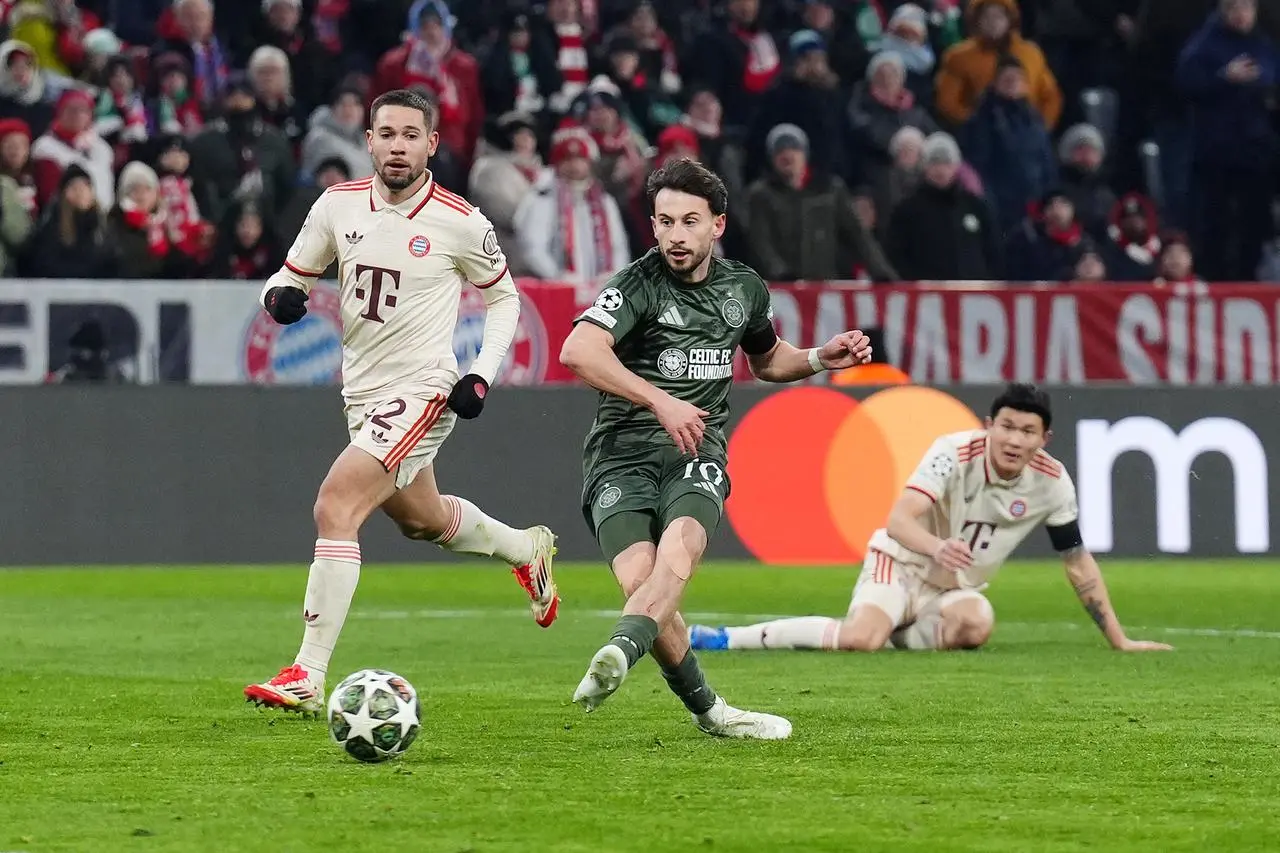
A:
{"points": [[682, 338]]}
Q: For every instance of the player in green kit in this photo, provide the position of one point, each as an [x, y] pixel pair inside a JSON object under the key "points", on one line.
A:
{"points": [[659, 344]]}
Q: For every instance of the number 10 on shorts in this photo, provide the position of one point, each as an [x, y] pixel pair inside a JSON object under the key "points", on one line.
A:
{"points": [[709, 473]]}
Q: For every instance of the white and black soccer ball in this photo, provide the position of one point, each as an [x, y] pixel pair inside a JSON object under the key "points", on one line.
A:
{"points": [[374, 715]]}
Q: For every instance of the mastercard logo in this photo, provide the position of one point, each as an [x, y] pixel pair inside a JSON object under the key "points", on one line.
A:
{"points": [[815, 472]]}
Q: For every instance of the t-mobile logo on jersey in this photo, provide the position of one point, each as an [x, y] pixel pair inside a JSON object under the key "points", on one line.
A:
{"points": [[375, 298], [1099, 444]]}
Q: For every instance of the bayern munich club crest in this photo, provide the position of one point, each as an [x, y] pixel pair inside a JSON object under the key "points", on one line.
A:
{"points": [[526, 361], [1018, 508], [308, 352], [419, 246]]}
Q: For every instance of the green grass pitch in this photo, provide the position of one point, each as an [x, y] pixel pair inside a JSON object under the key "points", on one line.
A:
{"points": [[122, 726]]}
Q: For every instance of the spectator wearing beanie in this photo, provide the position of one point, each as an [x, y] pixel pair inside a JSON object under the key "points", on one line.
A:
{"points": [[620, 163], [808, 96], [337, 131], [69, 140], [24, 90], [846, 51], [120, 116], [1133, 236], [1044, 247], [56, 30], [100, 47], [942, 231], [802, 221], [429, 59], [649, 107], [171, 105], [907, 37], [188, 231], [1083, 153], [15, 162], [881, 106], [248, 248], [570, 229], [968, 68], [71, 240], [888, 185], [1006, 141], [136, 226], [504, 173]]}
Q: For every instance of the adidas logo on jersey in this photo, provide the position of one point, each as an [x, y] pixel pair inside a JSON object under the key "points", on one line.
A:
{"points": [[671, 317], [354, 238]]}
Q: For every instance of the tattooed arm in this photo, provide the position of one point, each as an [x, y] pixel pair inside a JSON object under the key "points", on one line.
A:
{"points": [[1086, 580]]}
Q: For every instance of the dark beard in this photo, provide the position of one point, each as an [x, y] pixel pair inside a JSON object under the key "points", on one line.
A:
{"points": [[696, 260], [398, 184]]}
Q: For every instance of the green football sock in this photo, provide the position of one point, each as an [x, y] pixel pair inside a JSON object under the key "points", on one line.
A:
{"points": [[635, 636], [688, 683]]}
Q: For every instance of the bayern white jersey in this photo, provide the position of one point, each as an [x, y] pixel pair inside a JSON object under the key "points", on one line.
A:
{"points": [[972, 503], [401, 270]]}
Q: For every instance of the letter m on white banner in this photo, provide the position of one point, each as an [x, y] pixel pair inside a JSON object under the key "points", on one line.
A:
{"points": [[1099, 444]]}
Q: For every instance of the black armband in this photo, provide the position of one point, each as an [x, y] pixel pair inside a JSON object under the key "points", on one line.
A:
{"points": [[1066, 536], [759, 341]]}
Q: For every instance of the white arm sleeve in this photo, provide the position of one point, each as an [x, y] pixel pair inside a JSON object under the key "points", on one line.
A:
{"points": [[310, 255], [502, 318]]}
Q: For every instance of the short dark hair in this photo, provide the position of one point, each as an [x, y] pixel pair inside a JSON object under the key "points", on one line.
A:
{"points": [[689, 176], [411, 98], [1025, 397]]}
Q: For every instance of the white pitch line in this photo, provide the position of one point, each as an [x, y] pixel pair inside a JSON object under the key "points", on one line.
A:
{"points": [[719, 618]]}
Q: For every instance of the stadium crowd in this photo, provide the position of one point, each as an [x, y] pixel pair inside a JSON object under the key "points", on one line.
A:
{"points": [[1044, 140]]}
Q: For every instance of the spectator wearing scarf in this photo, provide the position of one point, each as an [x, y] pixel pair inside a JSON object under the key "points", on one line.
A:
{"points": [[570, 229], [429, 60]]}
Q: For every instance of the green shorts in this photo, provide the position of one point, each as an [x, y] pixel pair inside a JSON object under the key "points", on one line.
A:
{"points": [[652, 485]]}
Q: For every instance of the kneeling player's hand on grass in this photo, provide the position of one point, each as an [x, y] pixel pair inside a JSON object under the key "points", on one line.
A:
{"points": [[953, 555], [1143, 646], [847, 349], [683, 422]]}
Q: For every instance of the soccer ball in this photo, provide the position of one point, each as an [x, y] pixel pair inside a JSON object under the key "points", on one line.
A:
{"points": [[374, 715]]}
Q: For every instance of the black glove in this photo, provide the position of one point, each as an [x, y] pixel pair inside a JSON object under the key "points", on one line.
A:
{"points": [[467, 397], [286, 304]]}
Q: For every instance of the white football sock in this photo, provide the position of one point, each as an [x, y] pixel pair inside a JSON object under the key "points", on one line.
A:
{"points": [[473, 532], [330, 588], [804, 632], [921, 635]]}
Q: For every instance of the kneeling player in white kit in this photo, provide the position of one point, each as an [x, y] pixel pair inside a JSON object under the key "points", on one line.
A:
{"points": [[405, 248], [974, 497]]}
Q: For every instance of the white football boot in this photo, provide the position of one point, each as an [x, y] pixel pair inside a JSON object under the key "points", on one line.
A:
{"points": [[724, 720], [293, 689], [536, 578], [604, 676]]}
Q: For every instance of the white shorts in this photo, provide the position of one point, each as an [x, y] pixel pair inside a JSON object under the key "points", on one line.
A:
{"points": [[901, 593], [403, 433]]}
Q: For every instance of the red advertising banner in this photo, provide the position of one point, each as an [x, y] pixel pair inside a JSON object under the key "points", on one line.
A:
{"points": [[1058, 334]]}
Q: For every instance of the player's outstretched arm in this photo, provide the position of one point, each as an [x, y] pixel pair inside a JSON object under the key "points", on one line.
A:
{"points": [[588, 352], [783, 362], [1086, 580]]}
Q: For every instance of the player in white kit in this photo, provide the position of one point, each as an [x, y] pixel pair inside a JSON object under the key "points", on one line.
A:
{"points": [[973, 498], [405, 248]]}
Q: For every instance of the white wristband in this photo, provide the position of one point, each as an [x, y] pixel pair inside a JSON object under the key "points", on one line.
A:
{"points": [[814, 361]]}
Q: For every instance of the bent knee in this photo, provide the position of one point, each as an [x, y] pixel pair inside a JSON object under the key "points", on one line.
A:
{"points": [[333, 513], [427, 522], [865, 631], [969, 628]]}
